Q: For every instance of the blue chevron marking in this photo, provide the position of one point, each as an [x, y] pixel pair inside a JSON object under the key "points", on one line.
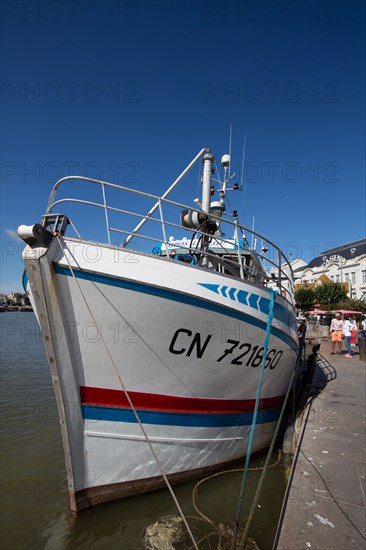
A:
{"points": [[253, 298], [242, 297], [231, 293], [254, 301], [223, 291]]}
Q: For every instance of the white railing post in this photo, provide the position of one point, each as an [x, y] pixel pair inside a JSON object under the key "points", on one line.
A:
{"points": [[236, 235], [106, 214], [279, 286], [163, 226]]}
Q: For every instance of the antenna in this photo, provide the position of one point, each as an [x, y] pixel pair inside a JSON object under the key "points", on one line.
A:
{"points": [[253, 232], [242, 177], [231, 131]]}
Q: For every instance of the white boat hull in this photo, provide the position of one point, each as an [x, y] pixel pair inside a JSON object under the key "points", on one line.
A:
{"points": [[185, 343]]}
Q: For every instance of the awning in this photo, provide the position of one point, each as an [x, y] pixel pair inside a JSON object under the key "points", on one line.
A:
{"points": [[347, 312]]}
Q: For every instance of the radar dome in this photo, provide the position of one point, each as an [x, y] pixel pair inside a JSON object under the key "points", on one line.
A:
{"points": [[225, 161]]}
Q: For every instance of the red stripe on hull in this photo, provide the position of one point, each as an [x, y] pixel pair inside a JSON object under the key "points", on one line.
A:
{"points": [[172, 403]]}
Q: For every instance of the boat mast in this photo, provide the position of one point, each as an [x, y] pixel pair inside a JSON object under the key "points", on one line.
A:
{"points": [[208, 160]]}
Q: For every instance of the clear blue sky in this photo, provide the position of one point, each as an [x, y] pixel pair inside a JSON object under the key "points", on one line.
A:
{"points": [[98, 87]]}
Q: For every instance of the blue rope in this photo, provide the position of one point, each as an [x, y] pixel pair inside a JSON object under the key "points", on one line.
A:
{"points": [[254, 421]]}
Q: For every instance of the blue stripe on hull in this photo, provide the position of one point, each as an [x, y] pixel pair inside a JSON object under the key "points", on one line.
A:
{"points": [[176, 297], [178, 419]]}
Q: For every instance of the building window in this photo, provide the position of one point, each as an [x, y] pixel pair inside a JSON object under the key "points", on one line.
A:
{"points": [[353, 277], [363, 272], [347, 277], [338, 278], [353, 294], [332, 278]]}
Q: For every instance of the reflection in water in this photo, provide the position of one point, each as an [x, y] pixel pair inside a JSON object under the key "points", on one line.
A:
{"points": [[34, 509]]}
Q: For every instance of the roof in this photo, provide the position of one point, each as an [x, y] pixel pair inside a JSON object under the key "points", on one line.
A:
{"points": [[347, 251]]}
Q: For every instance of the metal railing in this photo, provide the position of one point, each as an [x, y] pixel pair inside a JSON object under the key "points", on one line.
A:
{"points": [[267, 266]]}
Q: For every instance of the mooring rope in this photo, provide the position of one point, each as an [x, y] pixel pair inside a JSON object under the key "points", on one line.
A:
{"points": [[270, 450], [202, 516], [224, 472], [254, 421], [159, 465]]}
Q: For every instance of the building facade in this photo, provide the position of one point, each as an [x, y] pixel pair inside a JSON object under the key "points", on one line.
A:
{"points": [[343, 264]]}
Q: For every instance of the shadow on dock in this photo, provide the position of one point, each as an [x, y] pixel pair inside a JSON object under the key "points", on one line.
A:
{"points": [[319, 372], [324, 504]]}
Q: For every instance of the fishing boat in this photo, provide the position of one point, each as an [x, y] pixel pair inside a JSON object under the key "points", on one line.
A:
{"points": [[155, 344]]}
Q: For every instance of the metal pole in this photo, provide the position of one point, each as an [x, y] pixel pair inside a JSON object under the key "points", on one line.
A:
{"points": [[163, 226], [106, 214], [206, 182], [206, 199], [240, 260], [279, 273]]}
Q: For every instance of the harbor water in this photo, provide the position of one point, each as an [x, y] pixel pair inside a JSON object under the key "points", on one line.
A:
{"points": [[34, 498]]}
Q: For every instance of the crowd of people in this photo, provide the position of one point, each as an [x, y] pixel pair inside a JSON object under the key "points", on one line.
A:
{"points": [[342, 327]]}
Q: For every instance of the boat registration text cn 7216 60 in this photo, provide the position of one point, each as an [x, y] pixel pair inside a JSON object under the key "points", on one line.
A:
{"points": [[185, 342]]}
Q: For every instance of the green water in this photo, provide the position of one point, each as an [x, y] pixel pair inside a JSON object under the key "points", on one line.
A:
{"points": [[34, 499]]}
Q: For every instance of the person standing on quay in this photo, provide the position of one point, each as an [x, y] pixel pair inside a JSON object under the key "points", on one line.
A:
{"points": [[354, 330], [336, 330], [301, 329], [347, 331]]}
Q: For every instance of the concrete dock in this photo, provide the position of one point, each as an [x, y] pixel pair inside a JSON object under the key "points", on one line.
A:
{"points": [[325, 505]]}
